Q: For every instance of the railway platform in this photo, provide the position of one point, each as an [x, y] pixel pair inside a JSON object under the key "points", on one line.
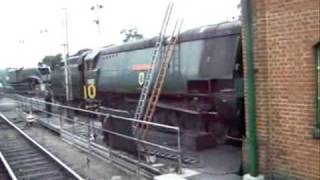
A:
{"points": [[222, 162]]}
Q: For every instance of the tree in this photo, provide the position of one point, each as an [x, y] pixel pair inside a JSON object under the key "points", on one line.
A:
{"points": [[131, 35], [52, 61]]}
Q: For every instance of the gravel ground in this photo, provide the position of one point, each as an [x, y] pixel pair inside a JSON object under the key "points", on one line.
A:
{"points": [[83, 163]]}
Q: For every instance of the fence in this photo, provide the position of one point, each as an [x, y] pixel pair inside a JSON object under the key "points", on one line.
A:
{"points": [[85, 129]]}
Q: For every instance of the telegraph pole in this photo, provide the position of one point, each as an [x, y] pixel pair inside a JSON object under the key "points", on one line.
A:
{"points": [[66, 63], [97, 7]]}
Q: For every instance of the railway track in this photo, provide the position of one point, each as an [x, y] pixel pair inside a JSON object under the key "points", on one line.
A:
{"points": [[27, 159], [4, 170], [79, 135]]}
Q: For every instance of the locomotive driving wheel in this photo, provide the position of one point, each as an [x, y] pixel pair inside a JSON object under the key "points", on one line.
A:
{"points": [[219, 132]]}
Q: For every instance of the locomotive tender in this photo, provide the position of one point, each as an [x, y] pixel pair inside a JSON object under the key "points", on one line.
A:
{"points": [[203, 87]]}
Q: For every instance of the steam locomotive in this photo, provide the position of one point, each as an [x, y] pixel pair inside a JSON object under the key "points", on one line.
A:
{"points": [[28, 80], [203, 90]]}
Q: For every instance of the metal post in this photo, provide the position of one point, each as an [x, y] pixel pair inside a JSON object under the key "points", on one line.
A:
{"points": [[73, 125], [66, 63], [251, 96], [97, 7], [318, 83], [89, 135], [139, 160], [316, 133], [109, 141], [61, 123], [98, 26], [48, 114], [179, 151]]}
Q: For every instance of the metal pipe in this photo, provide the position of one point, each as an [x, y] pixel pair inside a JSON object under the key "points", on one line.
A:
{"points": [[122, 135], [135, 139], [317, 47], [90, 125], [316, 133], [105, 114], [251, 92]]}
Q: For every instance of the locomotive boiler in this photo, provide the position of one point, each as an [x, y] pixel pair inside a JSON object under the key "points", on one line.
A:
{"points": [[203, 90], [27, 80]]}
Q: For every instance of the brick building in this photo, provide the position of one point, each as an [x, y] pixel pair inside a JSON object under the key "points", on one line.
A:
{"points": [[285, 33]]}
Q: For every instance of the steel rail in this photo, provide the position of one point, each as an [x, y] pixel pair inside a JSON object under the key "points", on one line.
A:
{"points": [[53, 157], [8, 168]]}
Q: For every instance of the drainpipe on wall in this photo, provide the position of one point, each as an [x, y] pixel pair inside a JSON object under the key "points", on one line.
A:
{"points": [[251, 95], [317, 129]]}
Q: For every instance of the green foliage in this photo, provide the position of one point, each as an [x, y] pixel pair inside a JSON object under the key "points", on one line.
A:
{"points": [[131, 35], [52, 61]]}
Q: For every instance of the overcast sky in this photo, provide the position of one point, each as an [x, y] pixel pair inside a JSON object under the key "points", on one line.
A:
{"points": [[31, 29]]}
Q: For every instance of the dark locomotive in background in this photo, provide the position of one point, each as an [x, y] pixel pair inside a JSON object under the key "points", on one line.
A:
{"points": [[27, 80], [203, 90]]}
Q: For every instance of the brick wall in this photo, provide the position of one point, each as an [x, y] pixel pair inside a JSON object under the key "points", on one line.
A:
{"points": [[285, 32]]}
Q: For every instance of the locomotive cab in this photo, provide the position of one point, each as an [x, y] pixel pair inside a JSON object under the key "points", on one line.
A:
{"points": [[45, 72], [90, 74]]}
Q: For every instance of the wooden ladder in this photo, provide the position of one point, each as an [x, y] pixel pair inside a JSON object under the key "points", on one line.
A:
{"points": [[154, 61], [160, 79]]}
